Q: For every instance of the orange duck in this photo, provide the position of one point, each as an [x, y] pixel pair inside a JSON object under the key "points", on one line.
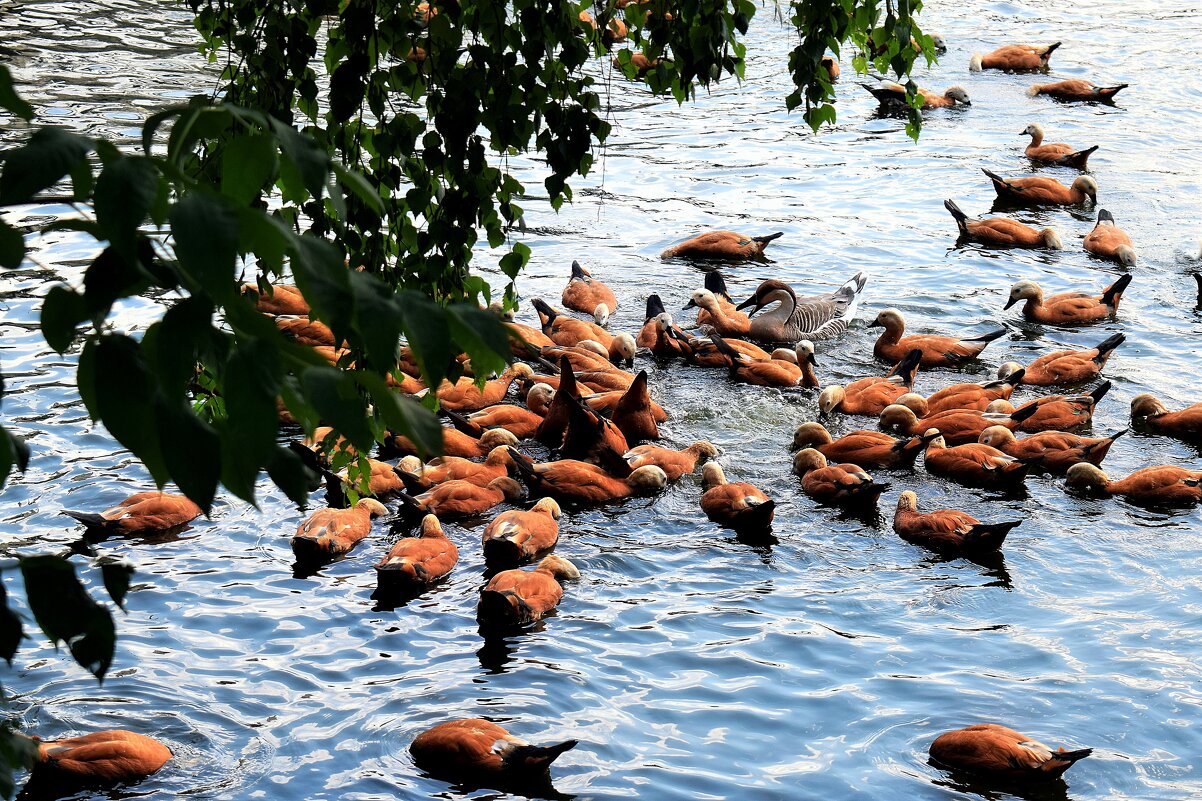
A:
{"points": [[479, 749], [1162, 485], [304, 331], [1014, 58], [765, 373], [649, 333], [972, 396], [669, 341], [947, 531], [282, 299], [839, 484], [974, 464], [382, 479], [1038, 190], [455, 468], [524, 596], [957, 426], [329, 533], [1076, 90], [937, 351], [590, 437], [584, 356], [715, 284], [100, 758], [519, 421], [141, 513], [992, 750], [728, 324], [1053, 451], [1185, 424], [870, 396], [721, 246], [832, 68], [465, 396], [1060, 412], [518, 535], [634, 413], [1057, 153], [641, 62], [803, 356], [569, 331], [559, 413], [1002, 231], [456, 443], [457, 499], [1108, 241], [607, 403], [419, 561], [1065, 366], [581, 482], [889, 93], [734, 504], [585, 293], [867, 448], [1068, 308], [525, 340], [674, 463]]}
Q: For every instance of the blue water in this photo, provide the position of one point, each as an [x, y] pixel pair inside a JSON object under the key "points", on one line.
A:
{"points": [[690, 664]]}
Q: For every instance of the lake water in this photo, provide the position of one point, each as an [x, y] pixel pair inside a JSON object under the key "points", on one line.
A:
{"points": [[689, 664]]}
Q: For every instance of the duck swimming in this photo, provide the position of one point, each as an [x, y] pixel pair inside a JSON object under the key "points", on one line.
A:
{"points": [[518, 535], [585, 293], [937, 351], [1014, 58], [1076, 90], [843, 485], [736, 505], [1185, 424], [947, 531], [101, 758], [1039, 190], [722, 246], [1164, 485], [519, 596], [141, 513], [479, 749], [1052, 451], [418, 561], [889, 93], [1065, 366], [814, 318], [1002, 231], [1108, 241], [864, 448], [1068, 308], [1057, 153], [992, 750]]}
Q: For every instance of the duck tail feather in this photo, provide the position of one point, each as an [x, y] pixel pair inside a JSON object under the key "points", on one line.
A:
{"points": [[715, 282], [1080, 158], [538, 757], [1107, 345], [1115, 291], [655, 307], [578, 273], [957, 214], [764, 240], [1100, 391], [472, 429]]}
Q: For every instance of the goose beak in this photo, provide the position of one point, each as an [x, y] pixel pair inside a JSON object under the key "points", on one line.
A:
{"points": [[751, 301]]}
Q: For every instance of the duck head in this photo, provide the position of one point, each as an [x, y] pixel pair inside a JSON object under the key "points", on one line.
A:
{"points": [[1147, 405], [1084, 475], [808, 459], [559, 567], [996, 437], [809, 435], [1024, 290], [1086, 185], [956, 94]]}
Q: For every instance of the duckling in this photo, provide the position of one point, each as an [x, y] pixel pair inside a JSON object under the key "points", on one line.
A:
{"points": [[839, 484], [465, 396], [814, 318], [889, 93], [870, 396], [1052, 451], [735, 505], [1057, 153], [1076, 90], [649, 332], [634, 413], [722, 246], [957, 426], [281, 299], [866, 448], [947, 531], [937, 351], [1185, 424], [455, 468], [674, 463], [1065, 366], [304, 331], [457, 499], [1002, 231], [141, 513], [585, 293], [330, 533], [454, 443], [736, 324], [1060, 412], [972, 396], [479, 749], [523, 596], [974, 464], [101, 758], [1162, 485], [1068, 308], [581, 482], [519, 421], [992, 750], [1108, 241], [1014, 58], [766, 373], [1038, 190], [418, 561], [518, 535]]}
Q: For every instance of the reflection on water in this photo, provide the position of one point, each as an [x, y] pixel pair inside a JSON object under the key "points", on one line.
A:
{"points": [[816, 663]]}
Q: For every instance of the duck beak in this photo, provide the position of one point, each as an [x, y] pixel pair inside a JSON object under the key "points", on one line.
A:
{"points": [[751, 301], [689, 305], [813, 360], [875, 324], [1010, 303]]}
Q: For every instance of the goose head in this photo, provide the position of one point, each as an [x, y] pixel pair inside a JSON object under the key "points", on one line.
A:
{"points": [[770, 291]]}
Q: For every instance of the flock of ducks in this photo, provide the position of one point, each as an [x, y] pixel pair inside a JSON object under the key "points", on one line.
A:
{"points": [[601, 424]]}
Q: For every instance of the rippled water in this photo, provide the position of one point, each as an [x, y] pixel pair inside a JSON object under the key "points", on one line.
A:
{"points": [[688, 663]]}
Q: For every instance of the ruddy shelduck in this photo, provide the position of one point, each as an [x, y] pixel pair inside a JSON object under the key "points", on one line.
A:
{"points": [[937, 351], [524, 596], [141, 513], [947, 531], [721, 246], [1000, 752], [736, 505], [1051, 451], [1014, 58], [418, 561], [330, 533], [102, 758], [518, 535], [1002, 231], [1039, 190], [1065, 366], [1185, 424], [868, 449], [585, 293], [846, 485], [1165, 485], [1068, 308], [1076, 90], [1108, 241], [476, 749], [1057, 153]]}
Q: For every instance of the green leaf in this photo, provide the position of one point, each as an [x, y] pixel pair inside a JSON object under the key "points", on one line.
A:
{"points": [[481, 334], [12, 246], [379, 319], [124, 193], [116, 580], [11, 631], [193, 452], [248, 165], [311, 162], [513, 262], [9, 100], [335, 396], [405, 416], [50, 154], [123, 394], [206, 243], [66, 613], [250, 385], [63, 309], [360, 187], [291, 475], [429, 334], [322, 277]]}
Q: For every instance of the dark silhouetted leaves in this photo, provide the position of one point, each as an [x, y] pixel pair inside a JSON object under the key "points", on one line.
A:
{"points": [[206, 242], [63, 310], [12, 246], [10, 629], [123, 195], [50, 154], [124, 400], [116, 579], [67, 614]]}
